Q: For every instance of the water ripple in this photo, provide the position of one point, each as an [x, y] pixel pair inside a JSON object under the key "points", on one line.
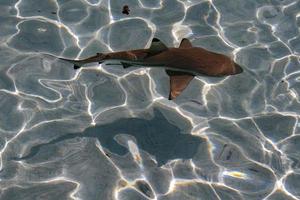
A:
{"points": [[104, 132]]}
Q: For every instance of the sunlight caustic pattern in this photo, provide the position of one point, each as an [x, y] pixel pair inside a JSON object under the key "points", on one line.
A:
{"points": [[104, 132]]}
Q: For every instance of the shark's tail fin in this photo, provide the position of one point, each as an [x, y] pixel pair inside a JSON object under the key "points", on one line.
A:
{"points": [[77, 64], [99, 58]]}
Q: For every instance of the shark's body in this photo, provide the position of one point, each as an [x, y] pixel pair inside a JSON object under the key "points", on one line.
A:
{"points": [[181, 64]]}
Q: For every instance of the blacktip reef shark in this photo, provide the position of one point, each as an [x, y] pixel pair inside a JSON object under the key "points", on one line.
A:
{"points": [[182, 64]]}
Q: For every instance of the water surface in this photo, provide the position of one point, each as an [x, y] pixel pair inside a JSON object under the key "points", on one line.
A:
{"points": [[104, 132]]}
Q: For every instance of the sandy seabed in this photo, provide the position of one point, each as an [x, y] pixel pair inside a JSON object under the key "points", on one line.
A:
{"points": [[104, 132]]}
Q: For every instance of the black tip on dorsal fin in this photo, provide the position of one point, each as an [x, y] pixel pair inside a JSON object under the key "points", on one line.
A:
{"points": [[185, 43], [157, 46]]}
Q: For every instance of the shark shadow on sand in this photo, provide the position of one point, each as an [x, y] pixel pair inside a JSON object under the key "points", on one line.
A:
{"points": [[156, 136]]}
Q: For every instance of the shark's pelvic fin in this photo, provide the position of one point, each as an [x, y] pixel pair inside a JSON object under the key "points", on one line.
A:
{"points": [[157, 46], [185, 43], [126, 65], [178, 82]]}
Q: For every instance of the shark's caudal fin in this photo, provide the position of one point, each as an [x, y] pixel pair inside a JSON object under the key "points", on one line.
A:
{"points": [[185, 43], [99, 58], [178, 82], [77, 64]]}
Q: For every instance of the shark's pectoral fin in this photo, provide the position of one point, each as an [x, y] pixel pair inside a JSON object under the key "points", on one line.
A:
{"points": [[185, 43], [178, 82]]}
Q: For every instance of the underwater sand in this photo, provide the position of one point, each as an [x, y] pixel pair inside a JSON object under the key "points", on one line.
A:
{"points": [[104, 132]]}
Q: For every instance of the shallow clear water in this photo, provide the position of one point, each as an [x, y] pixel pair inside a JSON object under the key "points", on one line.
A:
{"points": [[104, 132]]}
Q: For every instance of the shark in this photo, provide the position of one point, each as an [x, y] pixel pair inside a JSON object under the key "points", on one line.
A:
{"points": [[181, 64]]}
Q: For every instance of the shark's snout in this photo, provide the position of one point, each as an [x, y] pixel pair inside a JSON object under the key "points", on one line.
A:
{"points": [[238, 69]]}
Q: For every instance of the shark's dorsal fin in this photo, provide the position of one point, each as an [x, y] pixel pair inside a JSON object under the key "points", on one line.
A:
{"points": [[185, 43], [157, 46], [178, 82]]}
